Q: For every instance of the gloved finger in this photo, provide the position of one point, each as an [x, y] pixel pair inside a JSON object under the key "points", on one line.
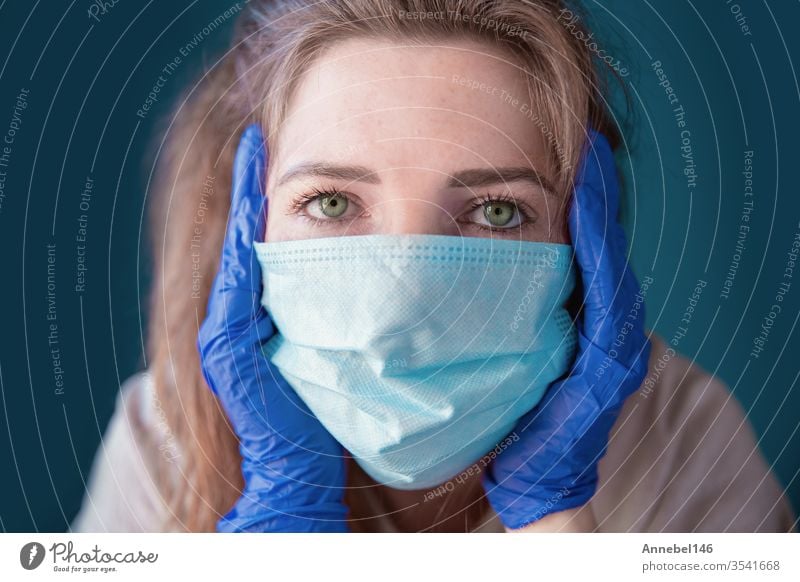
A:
{"points": [[598, 239], [235, 295]]}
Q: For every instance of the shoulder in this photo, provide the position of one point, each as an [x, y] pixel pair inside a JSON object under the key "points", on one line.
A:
{"points": [[122, 492], [683, 457]]}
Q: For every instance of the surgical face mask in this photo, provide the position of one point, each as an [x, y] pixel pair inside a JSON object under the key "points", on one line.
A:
{"points": [[418, 353]]}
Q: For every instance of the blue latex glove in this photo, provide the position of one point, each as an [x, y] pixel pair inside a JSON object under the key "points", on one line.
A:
{"points": [[294, 470], [553, 465]]}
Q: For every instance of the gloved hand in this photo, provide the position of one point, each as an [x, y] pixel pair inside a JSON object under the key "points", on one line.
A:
{"points": [[553, 465], [294, 470]]}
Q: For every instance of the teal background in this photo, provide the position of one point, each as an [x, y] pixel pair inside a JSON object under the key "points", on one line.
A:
{"points": [[87, 79]]}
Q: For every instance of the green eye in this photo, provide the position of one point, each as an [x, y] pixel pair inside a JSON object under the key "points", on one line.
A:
{"points": [[333, 206], [499, 213]]}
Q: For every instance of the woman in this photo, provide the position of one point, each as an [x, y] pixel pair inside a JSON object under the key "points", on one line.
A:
{"points": [[399, 343]]}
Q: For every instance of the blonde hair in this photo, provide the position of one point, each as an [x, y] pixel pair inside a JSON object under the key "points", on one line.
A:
{"points": [[274, 42]]}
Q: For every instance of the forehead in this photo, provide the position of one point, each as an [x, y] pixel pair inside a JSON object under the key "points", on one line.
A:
{"points": [[411, 104]]}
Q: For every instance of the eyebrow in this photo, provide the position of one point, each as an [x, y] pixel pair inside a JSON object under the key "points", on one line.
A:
{"points": [[478, 177], [472, 178], [323, 170]]}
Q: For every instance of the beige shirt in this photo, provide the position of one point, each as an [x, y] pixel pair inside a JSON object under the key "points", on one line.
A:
{"points": [[682, 457]]}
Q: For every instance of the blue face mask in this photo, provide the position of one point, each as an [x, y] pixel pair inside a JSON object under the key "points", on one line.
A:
{"points": [[418, 353]]}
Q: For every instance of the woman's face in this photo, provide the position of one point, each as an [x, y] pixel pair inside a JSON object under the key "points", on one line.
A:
{"points": [[388, 139]]}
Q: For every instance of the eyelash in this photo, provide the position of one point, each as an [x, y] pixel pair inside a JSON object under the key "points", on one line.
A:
{"points": [[526, 219], [299, 204]]}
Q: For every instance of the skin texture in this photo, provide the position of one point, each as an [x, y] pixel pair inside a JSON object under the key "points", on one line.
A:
{"points": [[401, 115], [404, 122]]}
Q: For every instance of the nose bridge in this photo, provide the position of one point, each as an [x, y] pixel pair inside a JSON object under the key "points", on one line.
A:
{"points": [[408, 214]]}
